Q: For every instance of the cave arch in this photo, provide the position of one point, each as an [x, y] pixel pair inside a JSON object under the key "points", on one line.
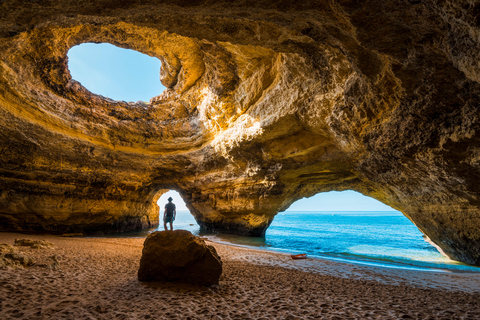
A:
{"points": [[184, 220]]}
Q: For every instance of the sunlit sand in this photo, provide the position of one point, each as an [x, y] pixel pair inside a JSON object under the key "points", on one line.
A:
{"points": [[97, 279]]}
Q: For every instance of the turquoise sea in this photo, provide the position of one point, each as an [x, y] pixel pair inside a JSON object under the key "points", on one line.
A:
{"points": [[384, 239]]}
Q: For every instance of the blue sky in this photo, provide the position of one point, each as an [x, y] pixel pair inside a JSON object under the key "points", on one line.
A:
{"points": [[128, 75], [116, 73]]}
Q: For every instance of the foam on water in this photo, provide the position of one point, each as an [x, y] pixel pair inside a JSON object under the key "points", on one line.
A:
{"points": [[385, 239]]}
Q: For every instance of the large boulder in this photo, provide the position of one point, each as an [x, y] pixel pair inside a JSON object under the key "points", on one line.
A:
{"points": [[179, 256]]}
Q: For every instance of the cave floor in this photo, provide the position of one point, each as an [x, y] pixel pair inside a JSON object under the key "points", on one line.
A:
{"points": [[96, 278]]}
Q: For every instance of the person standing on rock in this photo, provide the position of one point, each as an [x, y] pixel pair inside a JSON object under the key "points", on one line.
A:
{"points": [[169, 214]]}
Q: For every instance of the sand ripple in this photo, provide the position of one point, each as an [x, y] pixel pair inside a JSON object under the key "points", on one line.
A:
{"points": [[96, 279]]}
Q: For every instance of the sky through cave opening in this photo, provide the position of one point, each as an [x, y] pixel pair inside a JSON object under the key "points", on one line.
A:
{"points": [[339, 201], [177, 199], [115, 73], [184, 219]]}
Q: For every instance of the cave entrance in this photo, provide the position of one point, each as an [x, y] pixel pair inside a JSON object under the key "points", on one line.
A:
{"points": [[348, 225], [116, 73], [184, 219]]}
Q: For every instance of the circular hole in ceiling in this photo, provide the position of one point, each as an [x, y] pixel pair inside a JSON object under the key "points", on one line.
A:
{"points": [[116, 73]]}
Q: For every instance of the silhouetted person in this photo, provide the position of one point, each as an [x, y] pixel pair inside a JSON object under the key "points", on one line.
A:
{"points": [[169, 214]]}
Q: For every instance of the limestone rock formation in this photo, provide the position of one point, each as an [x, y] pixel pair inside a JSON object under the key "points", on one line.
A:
{"points": [[179, 256], [266, 102]]}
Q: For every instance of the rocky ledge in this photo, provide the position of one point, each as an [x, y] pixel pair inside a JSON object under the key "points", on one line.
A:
{"points": [[266, 103]]}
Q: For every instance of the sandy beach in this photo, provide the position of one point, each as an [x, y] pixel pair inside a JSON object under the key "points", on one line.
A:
{"points": [[96, 278]]}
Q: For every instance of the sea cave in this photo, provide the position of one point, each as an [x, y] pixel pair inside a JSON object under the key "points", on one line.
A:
{"points": [[265, 103]]}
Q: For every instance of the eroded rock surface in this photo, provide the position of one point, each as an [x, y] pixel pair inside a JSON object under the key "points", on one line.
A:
{"points": [[10, 258], [179, 256], [267, 102]]}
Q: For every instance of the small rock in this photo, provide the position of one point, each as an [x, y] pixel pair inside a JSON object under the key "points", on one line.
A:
{"points": [[35, 244], [73, 235], [15, 260], [6, 248], [179, 256]]}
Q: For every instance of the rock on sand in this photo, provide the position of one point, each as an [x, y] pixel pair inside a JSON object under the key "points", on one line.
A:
{"points": [[179, 256]]}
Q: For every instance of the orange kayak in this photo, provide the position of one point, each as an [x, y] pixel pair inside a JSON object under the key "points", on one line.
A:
{"points": [[299, 256]]}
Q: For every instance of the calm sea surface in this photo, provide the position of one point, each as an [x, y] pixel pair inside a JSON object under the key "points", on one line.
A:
{"points": [[386, 239]]}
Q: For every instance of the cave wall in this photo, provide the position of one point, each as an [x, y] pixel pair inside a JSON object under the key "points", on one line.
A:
{"points": [[266, 103]]}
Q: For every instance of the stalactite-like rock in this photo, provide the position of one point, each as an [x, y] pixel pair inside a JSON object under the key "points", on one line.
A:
{"points": [[266, 103]]}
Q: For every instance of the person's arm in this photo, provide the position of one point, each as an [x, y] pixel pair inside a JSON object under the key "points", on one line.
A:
{"points": [[174, 213], [165, 213]]}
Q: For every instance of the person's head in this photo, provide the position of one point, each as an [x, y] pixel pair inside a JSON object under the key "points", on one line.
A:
{"points": [[170, 199]]}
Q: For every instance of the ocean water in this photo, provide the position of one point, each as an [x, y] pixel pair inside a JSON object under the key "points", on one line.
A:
{"points": [[384, 239]]}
